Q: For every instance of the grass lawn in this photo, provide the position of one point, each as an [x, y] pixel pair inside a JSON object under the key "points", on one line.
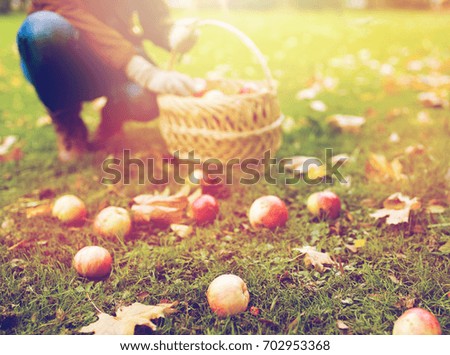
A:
{"points": [[371, 55]]}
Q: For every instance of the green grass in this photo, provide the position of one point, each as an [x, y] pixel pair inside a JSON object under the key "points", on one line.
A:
{"points": [[41, 293]]}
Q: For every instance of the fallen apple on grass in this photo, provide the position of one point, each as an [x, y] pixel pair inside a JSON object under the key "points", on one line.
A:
{"points": [[205, 209], [417, 321], [269, 212], [93, 262], [113, 222], [324, 204], [228, 295], [69, 209]]}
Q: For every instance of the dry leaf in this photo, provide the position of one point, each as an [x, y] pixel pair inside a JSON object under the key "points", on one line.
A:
{"points": [[9, 149], [341, 325], [320, 261], [360, 243], [346, 123], [436, 207], [182, 230], [159, 208], [397, 208], [39, 211], [127, 318], [312, 166], [432, 100], [445, 248], [379, 169], [318, 106]]}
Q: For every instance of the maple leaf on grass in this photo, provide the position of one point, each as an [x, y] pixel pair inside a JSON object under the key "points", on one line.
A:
{"points": [[318, 260], [379, 169], [127, 318], [397, 208]]}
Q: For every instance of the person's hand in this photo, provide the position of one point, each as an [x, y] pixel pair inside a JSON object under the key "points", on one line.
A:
{"points": [[183, 35], [160, 81]]}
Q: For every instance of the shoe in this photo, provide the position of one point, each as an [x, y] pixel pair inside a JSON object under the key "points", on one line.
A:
{"points": [[71, 134], [110, 129]]}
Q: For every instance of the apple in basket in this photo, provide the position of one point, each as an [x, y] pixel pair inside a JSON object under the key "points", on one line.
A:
{"points": [[213, 95], [249, 88], [228, 295]]}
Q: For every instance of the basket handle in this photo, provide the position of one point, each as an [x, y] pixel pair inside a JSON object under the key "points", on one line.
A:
{"points": [[244, 39]]}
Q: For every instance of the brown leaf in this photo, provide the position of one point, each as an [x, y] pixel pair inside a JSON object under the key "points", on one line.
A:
{"points": [[346, 123], [127, 318], [432, 100], [436, 206], [320, 261], [379, 169], [39, 211], [9, 149], [341, 325], [397, 208], [182, 230], [159, 208]]}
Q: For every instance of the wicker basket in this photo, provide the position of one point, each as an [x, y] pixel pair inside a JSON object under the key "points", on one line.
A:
{"points": [[236, 126]]}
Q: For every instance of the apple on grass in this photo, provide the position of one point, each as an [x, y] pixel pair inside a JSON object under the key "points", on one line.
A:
{"points": [[205, 209], [417, 321], [93, 262], [228, 295], [69, 209], [269, 212], [113, 222], [324, 204]]}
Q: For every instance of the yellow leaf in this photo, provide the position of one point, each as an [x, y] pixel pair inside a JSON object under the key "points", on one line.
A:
{"points": [[360, 243], [318, 260], [127, 318], [397, 208]]}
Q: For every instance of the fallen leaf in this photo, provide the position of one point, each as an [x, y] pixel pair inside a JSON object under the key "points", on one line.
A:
{"points": [[320, 261], [436, 206], [360, 243], [397, 208], [43, 121], [346, 123], [312, 166], [318, 106], [159, 208], [341, 325], [432, 100], [43, 210], [394, 279], [182, 230], [445, 248], [10, 150], [127, 318], [254, 311], [379, 169]]}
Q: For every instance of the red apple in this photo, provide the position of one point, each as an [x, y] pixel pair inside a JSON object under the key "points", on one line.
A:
{"points": [[324, 204], [228, 295], [417, 321], [269, 212], [113, 222], [93, 262], [205, 209], [69, 209]]}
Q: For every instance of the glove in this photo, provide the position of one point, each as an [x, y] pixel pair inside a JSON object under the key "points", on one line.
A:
{"points": [[142, 72], [183, 35]]}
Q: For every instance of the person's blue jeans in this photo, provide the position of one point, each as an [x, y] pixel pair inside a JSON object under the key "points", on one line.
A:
{"points": [[65, 71]]}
